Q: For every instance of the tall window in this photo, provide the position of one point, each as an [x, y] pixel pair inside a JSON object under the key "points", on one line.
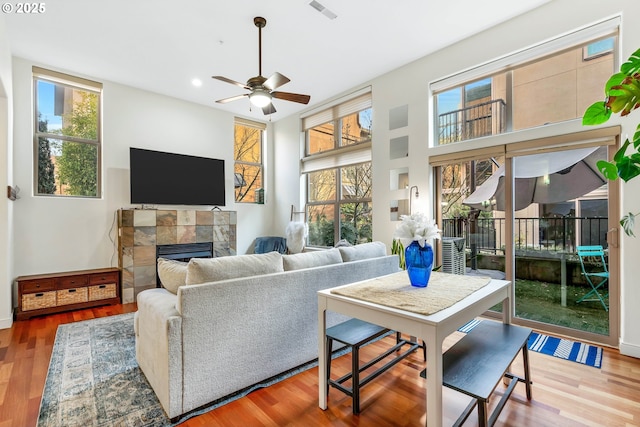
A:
{"points": [[550, 83], [338, 172], [67, 136], [248, 166], [523, 203]]}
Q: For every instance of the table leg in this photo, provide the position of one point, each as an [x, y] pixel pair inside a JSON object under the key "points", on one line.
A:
{"points": [[434, 382], [507, 313], [322, 352], [506, 319]]}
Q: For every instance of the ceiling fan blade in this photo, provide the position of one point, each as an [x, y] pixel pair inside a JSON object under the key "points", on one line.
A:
{"points": [[294, 97], [275, 81], [233, 82], [269, 109], [233, 98]]}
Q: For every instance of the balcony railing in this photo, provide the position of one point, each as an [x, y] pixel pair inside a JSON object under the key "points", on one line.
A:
{"points": [[545, 234], [487, 118]]}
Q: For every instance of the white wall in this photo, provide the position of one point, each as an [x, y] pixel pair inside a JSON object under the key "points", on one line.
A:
{"points": [[6, 178], [286, 167], [409, 86], [62, 234]]}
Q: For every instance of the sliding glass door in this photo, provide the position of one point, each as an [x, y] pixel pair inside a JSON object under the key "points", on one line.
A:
{"points": [[472, 229], [524, 212]]}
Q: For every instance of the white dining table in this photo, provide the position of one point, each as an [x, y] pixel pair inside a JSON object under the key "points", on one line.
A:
{"points": [[432, 328]]}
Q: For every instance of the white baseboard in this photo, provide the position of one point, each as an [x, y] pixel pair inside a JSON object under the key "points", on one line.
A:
{"points": [[632, 350], [6, 323]]}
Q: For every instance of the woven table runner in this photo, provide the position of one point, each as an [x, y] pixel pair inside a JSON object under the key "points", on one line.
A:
{"points": [[395, 291]]}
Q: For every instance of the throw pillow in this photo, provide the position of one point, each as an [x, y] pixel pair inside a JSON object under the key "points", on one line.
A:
{"points": [[172, 274], [203, 270], [296, 232], [311, 259], [363, 251]]}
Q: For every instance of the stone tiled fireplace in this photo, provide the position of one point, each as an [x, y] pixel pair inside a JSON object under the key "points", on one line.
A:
{"points": [[140, 231]]}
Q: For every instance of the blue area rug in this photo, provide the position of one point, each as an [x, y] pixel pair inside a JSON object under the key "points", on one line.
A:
{"points": [[574, 351], [94, 379]]}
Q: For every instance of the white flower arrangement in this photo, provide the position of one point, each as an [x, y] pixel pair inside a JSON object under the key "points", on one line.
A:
{"points": [[416, 227]]}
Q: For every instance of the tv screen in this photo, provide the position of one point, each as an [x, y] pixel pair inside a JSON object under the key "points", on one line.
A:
{"points": [[161, 178]]}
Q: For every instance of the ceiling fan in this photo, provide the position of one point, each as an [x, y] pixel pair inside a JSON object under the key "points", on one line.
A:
{"points": [[263, 89]]}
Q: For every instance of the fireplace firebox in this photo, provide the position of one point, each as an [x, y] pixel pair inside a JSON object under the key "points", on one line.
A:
{"points": [[183, 252]]}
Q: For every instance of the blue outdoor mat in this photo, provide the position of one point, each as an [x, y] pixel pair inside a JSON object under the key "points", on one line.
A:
{"points": [[574, 351]]}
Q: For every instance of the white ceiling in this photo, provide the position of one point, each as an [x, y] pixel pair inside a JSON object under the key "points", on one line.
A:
{"points": [[161, 45]]}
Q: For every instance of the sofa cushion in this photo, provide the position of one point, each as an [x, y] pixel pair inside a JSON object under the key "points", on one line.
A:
{"points": [[363, 251], [172, 274], [311, 259], [203, 270]]}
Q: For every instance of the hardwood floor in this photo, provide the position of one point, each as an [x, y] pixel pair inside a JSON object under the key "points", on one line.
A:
{"points": [[564, 393]]}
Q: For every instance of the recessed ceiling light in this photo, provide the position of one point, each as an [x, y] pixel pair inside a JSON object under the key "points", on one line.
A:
{"points": [[196, 82]]}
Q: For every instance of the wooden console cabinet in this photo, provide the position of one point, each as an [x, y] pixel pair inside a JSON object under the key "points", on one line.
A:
{"points": [[52, 293]]}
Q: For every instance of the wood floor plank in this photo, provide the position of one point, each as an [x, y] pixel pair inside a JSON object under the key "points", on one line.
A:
{"points": [[564, 393]]}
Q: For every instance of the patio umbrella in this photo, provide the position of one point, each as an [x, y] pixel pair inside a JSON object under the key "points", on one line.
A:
{"points": [[543, 178]]}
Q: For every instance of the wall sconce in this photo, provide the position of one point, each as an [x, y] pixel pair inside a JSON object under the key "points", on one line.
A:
{"points": [[411, 198], [12, 192]]}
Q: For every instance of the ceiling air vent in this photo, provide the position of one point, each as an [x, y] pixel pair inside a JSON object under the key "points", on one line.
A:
{"points": [[320, 8]]}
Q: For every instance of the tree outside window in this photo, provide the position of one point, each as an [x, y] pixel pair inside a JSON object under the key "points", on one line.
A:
{"points": [[67, 137], [344, 194], [248, 167], [338, 172]]}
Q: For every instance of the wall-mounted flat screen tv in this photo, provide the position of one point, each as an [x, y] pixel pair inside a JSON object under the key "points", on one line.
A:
{"points": [[161, 178]]}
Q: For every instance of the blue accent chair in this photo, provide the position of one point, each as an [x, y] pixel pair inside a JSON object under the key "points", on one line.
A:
{"points": [[595, 272]]}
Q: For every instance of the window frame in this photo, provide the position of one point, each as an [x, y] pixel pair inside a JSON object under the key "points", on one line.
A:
{"points": [[261, 127], [337, 201], [339, 156], [72, 82], [582, 37]]}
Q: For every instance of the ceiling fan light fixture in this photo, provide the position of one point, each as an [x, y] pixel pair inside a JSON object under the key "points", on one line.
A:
{"points": [[260, 98], [263, 89]]}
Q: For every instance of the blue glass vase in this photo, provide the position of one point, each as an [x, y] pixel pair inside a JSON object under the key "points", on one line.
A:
{"points": [[419, 262]]}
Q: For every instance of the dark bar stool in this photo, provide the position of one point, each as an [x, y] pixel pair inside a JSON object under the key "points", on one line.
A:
{"points": [[355, 333]]}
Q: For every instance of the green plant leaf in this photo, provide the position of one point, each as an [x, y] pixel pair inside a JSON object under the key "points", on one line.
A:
{"points": [[397, 248], [627, 222], [636, 138], [632, 65], [629, 167], [623, 98], [614, 80], [620, 154], [596, 114], [608, 170]]}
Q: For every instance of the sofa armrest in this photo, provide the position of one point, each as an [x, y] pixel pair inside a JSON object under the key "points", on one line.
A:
{"points": [[159, 346]]}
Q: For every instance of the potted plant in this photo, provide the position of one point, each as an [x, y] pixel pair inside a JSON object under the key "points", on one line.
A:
{"points": [[622, 95]]}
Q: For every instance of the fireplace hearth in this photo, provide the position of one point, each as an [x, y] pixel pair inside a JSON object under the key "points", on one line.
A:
{"points": [[180, 235]]}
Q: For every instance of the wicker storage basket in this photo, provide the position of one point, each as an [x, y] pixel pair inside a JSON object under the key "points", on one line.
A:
{"points": [[72, 296], [102, 292], [38, 300]]}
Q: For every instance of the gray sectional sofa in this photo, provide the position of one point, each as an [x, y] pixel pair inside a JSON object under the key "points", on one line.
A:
{"points": [[220, 325]]}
